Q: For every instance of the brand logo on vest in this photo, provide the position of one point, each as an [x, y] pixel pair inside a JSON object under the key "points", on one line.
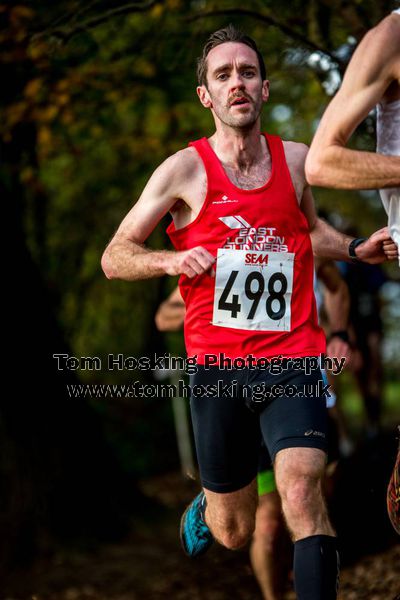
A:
{"points": [[225, 200], [256, 259]]}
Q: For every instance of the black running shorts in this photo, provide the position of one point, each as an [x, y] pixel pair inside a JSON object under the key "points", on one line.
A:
{"points": [[233, 410]]}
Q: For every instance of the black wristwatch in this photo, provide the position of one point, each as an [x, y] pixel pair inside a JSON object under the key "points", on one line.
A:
{"points": [[342, 334], [352, 247]]}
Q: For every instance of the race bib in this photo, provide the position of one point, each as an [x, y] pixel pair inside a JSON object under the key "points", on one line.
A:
{"points": [[253, 290]]}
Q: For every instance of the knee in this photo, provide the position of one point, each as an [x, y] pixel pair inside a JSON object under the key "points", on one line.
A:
{"points": [[235, 533], [301, 495]]}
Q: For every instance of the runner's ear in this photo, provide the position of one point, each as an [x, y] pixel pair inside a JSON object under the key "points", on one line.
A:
{"points": [[265, 90], [204, 96]]}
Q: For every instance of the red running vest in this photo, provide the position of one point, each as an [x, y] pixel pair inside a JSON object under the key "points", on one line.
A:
{"points": [[261, 301]]}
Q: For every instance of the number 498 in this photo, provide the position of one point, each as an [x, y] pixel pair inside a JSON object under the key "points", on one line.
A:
{"points": [[255, 295]]}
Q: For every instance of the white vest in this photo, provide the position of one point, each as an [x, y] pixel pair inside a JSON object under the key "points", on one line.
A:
{"points": [[388, 142]]}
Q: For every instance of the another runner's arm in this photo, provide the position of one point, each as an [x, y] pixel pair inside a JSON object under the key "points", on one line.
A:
{"points": [[373, 67], [126, 257], [336, 294], [171, 313], [337, 307], [330, 243]]}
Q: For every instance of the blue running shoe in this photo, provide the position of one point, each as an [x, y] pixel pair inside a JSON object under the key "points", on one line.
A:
{"points": [[196, 538]]}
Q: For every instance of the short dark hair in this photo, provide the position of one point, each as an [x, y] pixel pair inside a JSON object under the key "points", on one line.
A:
{"points": [[227, 34]]}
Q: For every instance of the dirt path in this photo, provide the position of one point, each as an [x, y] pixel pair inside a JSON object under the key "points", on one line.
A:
{"points": [[149, 565], [140, 569]]}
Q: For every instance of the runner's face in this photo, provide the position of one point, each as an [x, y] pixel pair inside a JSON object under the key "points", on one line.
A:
{"points": [[234, 92]]}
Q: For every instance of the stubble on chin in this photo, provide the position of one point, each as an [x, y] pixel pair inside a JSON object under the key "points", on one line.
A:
{"points": [[243, 120]]}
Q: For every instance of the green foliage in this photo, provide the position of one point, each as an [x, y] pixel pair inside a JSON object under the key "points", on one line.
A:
{"points": [[110, 101]]}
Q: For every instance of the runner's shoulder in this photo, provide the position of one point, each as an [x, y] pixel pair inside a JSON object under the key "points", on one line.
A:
{"points": [[177, 172], [389, 25], [298, 148], [184, 164], [295, 153], [382, 42]]}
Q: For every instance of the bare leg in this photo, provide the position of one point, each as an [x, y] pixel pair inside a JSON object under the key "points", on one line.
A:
{"points": [[298, 474], [231, 516], [265, 551]]}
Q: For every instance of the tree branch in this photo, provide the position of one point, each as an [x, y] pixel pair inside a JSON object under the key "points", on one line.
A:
{"points": [[271, 21], [64, 34]]}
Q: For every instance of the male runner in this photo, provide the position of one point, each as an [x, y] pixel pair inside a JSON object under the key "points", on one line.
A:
{"points": [[242, 216], [393, 492], [268, 550], [372, 77]]}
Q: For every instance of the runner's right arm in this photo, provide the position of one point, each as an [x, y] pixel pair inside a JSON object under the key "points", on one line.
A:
{"points": [[126, 257]]}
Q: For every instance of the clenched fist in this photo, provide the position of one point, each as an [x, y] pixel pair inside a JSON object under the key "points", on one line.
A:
{"points": [[190, 262], [377, 248]]}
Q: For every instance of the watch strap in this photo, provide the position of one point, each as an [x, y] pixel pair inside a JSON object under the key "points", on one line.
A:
{"points": [[352, 247]]}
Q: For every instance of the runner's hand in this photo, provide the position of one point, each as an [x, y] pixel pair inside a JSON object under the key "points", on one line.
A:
{"points": [[336, 348], [391, 250], [377, 248], [190, 262]]}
